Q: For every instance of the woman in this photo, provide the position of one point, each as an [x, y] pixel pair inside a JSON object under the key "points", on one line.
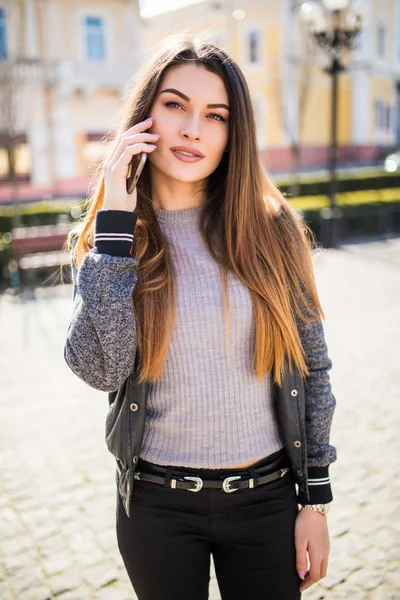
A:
{"points": [[195, 307]]}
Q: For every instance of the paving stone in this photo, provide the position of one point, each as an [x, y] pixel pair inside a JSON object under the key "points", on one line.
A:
{"points": [[82, 594], [5, 591], [16, 545], [27, 579], [393, 577], [386, 539], [349, 592], [376, 556], [115, 592], [49, 546], [57, 487], [367, 579], [15, 562], [311, 593], [101, 575], [41, 592], [64, 582], [56, 564], [90, 558], [384, 593]]}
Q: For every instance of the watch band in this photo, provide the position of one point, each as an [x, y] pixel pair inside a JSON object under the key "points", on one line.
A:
{"points": [[321, 508]]}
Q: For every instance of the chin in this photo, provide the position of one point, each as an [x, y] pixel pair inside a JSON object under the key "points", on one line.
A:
{"points": [[185, 175]]}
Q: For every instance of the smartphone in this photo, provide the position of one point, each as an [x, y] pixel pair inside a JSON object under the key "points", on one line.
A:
{"points": [[135, 169]]}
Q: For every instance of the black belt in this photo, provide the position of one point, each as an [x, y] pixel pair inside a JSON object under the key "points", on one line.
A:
{"points": [[225, 484]]}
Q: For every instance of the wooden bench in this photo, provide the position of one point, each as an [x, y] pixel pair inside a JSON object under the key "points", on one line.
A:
{"points": [[39, 251]]}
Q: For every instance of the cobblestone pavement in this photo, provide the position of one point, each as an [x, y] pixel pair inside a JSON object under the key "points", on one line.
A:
{"points": [[57, 507]]}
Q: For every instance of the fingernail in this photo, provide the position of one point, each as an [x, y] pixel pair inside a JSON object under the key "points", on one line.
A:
{"points": [[149, 119], [301, 574]]}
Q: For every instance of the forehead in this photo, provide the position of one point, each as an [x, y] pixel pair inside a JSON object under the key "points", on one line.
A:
{"points": [[196, 82]]}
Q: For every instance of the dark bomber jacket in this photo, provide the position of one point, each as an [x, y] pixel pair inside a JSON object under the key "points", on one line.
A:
{"points": [[101, 349]]}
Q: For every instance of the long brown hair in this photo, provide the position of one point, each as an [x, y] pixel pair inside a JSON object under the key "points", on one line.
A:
{"points": [[249, 228]]}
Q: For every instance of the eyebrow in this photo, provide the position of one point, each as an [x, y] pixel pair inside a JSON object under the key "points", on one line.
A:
{"points": [[184, 97]]}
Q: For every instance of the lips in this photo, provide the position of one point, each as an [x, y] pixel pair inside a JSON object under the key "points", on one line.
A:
{"points": [[191, 151]]}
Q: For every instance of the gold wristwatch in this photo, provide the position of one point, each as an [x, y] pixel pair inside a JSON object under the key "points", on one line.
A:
{"points": [[321, 508]]}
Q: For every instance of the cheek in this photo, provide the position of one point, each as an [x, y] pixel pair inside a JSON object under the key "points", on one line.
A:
{"points": [[217, 148], [217, 140]]}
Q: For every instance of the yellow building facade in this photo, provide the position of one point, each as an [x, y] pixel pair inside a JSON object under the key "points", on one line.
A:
{"points": [[285, 72], [64, 65], [73, 60]]}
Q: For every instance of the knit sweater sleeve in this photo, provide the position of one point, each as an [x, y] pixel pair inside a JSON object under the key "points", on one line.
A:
{"points": [[319, 408], [100, 344]]}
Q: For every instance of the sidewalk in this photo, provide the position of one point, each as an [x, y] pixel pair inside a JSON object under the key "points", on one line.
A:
{"points": [[57, 490]]}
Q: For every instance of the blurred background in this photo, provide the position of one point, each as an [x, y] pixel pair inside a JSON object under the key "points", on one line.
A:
{"points": [[324, 77]]}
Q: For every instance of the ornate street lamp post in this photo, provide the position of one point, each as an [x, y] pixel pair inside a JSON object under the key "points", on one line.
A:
{"points": [[335, 26]]}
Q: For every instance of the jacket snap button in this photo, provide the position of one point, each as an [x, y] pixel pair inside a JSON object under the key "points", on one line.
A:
{"points": [[134, 459], [299, 472], [134, 406], [294, 392], [297, 444]]}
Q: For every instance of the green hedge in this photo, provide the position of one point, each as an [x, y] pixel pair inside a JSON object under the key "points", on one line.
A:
{"points": [[50, 213], [369, 212], [315, 186], [42, 213], [360, 198]]}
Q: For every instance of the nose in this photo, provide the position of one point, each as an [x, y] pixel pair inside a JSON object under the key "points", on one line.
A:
{"points": [[190, 134], [191, 129]]}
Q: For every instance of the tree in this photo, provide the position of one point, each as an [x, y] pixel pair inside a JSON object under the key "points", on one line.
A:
{"points": [[298, 73], [10, 81]]}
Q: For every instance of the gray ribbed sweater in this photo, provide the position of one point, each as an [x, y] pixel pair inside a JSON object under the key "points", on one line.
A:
{"points": [[100, 345], [206, 410]]}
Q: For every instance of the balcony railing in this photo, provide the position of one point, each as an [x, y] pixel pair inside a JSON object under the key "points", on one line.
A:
{"points": [[96, 74], [24, 71], [84, 75]]}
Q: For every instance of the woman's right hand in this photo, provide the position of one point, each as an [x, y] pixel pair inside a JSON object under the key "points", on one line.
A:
{"points": [[133, 141]]}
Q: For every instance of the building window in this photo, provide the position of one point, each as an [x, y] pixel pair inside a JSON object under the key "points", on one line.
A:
{"points": [[95, 149], [381, 40], [398, 33], [4, 164], [3, 42], [254, 46], [380, 114], [94, 29], [388, 117], [22, 159]]}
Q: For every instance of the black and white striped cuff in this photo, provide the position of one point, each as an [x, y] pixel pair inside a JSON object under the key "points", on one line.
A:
{"points": [[319, 486], [114, 232]]}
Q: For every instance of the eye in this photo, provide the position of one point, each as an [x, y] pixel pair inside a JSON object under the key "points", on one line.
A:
{"points": [[172, 102], [220, 117]]}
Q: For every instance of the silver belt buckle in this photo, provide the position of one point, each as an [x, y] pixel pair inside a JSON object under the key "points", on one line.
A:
{"points": [[226, 484], [198, 481], [284, 471]]}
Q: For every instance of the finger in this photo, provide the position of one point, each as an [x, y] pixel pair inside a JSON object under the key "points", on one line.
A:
{"points": [[129, 141], [313, 575], [138, 128], [122, 163], [324, 567], [315, 569], [141, 126], [301, 558]]}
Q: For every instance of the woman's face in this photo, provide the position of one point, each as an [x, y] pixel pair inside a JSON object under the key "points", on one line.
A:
{"points": [[189, 121]]}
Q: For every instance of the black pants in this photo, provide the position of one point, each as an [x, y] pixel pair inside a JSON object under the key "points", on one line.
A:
{"points": [[167, 542]]}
